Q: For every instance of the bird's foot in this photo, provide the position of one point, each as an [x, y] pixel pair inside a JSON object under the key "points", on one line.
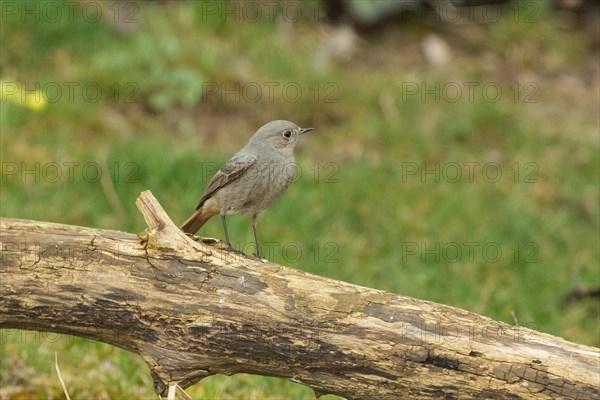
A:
{"points": [[231, 249]]}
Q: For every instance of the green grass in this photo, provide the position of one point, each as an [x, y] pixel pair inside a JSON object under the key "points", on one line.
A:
{"points": [[365, 208]]}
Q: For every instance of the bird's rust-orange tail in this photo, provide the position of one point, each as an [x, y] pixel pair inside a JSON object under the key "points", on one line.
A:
{"points": [[196, 220]]}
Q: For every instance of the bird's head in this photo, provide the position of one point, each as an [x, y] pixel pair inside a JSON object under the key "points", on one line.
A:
{"points": [[280, 134]]}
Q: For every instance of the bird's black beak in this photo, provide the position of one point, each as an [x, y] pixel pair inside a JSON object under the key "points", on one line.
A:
{"points": [[304, 130]]}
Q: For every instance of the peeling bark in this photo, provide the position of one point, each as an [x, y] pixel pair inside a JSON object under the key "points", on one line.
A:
{"points": [[192, 309]]}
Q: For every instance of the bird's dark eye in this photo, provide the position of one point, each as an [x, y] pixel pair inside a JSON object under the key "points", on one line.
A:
{"points": [[287, 134]]}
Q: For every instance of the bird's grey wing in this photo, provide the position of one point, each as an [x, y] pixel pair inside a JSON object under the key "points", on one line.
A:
{"points": [[228, 173]]}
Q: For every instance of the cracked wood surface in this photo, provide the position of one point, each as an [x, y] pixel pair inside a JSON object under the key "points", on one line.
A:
{"points": [[192, 310]]}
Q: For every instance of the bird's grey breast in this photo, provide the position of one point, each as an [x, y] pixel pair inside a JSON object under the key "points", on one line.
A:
{"points": [[267, 180]]}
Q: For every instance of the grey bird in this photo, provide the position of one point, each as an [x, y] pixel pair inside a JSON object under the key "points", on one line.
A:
{"points": [[252, 180]]}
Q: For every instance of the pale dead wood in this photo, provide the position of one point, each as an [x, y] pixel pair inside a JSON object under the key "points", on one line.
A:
{"points": [[192, 310], [60, 378], [171, 395]]}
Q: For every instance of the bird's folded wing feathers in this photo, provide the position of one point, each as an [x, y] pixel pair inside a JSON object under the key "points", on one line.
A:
{"points": [[228, 173]]}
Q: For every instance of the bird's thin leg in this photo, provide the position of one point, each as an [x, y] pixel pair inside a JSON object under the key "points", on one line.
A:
{"points": [[254, 220], [226, 235]]}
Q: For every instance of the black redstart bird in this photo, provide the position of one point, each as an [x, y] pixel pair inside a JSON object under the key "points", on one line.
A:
{"points": [[252, 180]]}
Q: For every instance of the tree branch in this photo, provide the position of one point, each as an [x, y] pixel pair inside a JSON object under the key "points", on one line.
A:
{"points": [[193, 310]]}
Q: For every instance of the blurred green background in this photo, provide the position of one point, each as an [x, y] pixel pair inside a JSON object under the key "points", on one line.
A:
{"points": [[454, 160]]}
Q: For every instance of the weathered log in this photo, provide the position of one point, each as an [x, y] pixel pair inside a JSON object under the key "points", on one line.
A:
{"points": [[192, 309]]}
